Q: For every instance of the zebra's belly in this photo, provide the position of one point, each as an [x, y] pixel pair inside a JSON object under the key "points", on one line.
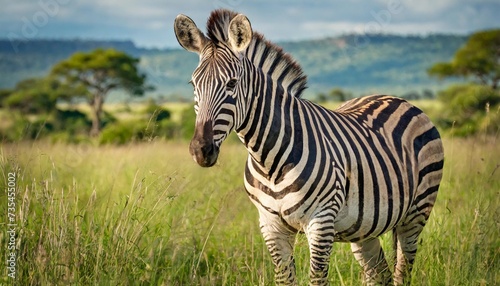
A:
{"points": [[360, 215], [353, 224], [355, 221], [348, 226]]}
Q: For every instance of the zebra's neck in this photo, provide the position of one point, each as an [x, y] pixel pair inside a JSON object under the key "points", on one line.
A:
{"points": [[271, 124], [269, 120]]}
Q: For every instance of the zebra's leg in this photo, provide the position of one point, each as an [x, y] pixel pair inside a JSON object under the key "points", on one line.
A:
{"points": [[279, 240], [405, 242], [320, 235], [370, 255]]}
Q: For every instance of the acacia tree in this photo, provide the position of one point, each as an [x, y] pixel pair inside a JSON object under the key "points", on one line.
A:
{"points": [[479, 58], [99, 72]]}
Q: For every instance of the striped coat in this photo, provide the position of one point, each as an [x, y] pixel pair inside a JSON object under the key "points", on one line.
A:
{"points": [[373, 165]]}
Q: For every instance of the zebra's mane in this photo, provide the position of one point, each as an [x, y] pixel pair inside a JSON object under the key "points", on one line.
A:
{"points": [[269, 57]]}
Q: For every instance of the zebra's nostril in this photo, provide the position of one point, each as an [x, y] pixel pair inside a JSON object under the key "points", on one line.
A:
{"points": [[207, 150], [205, 154]]}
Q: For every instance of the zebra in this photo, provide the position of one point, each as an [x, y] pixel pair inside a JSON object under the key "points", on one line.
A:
{"points": [[371, 166]]}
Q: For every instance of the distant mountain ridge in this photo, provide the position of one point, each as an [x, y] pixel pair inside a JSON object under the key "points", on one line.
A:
{"points": [[63, 46], [361, 63]]}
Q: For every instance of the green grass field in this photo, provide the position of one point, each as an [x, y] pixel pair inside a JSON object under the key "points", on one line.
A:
{"points": [[146, 214]]}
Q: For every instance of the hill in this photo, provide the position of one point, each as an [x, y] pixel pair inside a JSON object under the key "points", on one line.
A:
{"points": [[363, 64]]}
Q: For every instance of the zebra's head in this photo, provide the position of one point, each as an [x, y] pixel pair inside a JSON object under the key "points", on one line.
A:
{"points": [[217, 80]]}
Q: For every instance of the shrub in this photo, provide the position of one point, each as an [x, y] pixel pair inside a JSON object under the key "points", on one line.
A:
{"points": [[121, 133], [71, 121], [156, 112], [137, 130], [4, 94], [470, 108], [13, 127], [107, 118]]}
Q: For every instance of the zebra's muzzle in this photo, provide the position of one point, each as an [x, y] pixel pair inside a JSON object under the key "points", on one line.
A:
{"points": [[204, 154], [202, 146]]}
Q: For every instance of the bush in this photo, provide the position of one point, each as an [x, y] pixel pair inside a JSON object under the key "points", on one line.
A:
{"points": [[138, 130], [156, 112], [470, 109], [121, 133], [60, 125], [13, 127], [71, 121], [107, 118], [4, 94], [19, 127]]}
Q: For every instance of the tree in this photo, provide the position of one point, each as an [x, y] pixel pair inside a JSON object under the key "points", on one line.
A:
{"points": [[99, 72], [37, 95], [479, 58]]}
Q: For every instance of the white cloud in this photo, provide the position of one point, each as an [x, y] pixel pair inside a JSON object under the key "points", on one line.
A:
{"points": [[320, 28], [323, 29], [131, 9], [18, 8], [149, 22], [428, 7]]}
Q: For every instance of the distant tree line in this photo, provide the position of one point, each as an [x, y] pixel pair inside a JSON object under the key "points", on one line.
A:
{"points": [[338, 94], [32, 108]]}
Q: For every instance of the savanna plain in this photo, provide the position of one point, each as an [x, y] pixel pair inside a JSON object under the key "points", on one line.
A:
{"points": [[145, 214]]}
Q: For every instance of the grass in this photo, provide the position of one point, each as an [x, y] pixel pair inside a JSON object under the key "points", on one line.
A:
{"points": [[146, 214]]}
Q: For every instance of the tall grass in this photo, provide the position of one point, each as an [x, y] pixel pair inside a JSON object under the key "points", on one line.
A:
{"points": [[145, 214], [461, 243]]}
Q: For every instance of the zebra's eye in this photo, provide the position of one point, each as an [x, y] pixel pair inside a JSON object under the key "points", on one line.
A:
{"points": [[231, 84]]}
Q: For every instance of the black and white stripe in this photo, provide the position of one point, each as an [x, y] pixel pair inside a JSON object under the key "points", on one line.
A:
{"points": [[373, 165]]}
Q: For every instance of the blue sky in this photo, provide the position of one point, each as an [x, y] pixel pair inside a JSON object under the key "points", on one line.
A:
{"points": [[149, 22]]}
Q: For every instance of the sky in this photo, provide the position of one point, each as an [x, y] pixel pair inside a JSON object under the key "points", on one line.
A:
{"points": [[149, 23]]}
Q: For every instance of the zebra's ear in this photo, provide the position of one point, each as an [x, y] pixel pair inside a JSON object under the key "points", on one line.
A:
{"points": [[240, 33], [188, 35]]}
